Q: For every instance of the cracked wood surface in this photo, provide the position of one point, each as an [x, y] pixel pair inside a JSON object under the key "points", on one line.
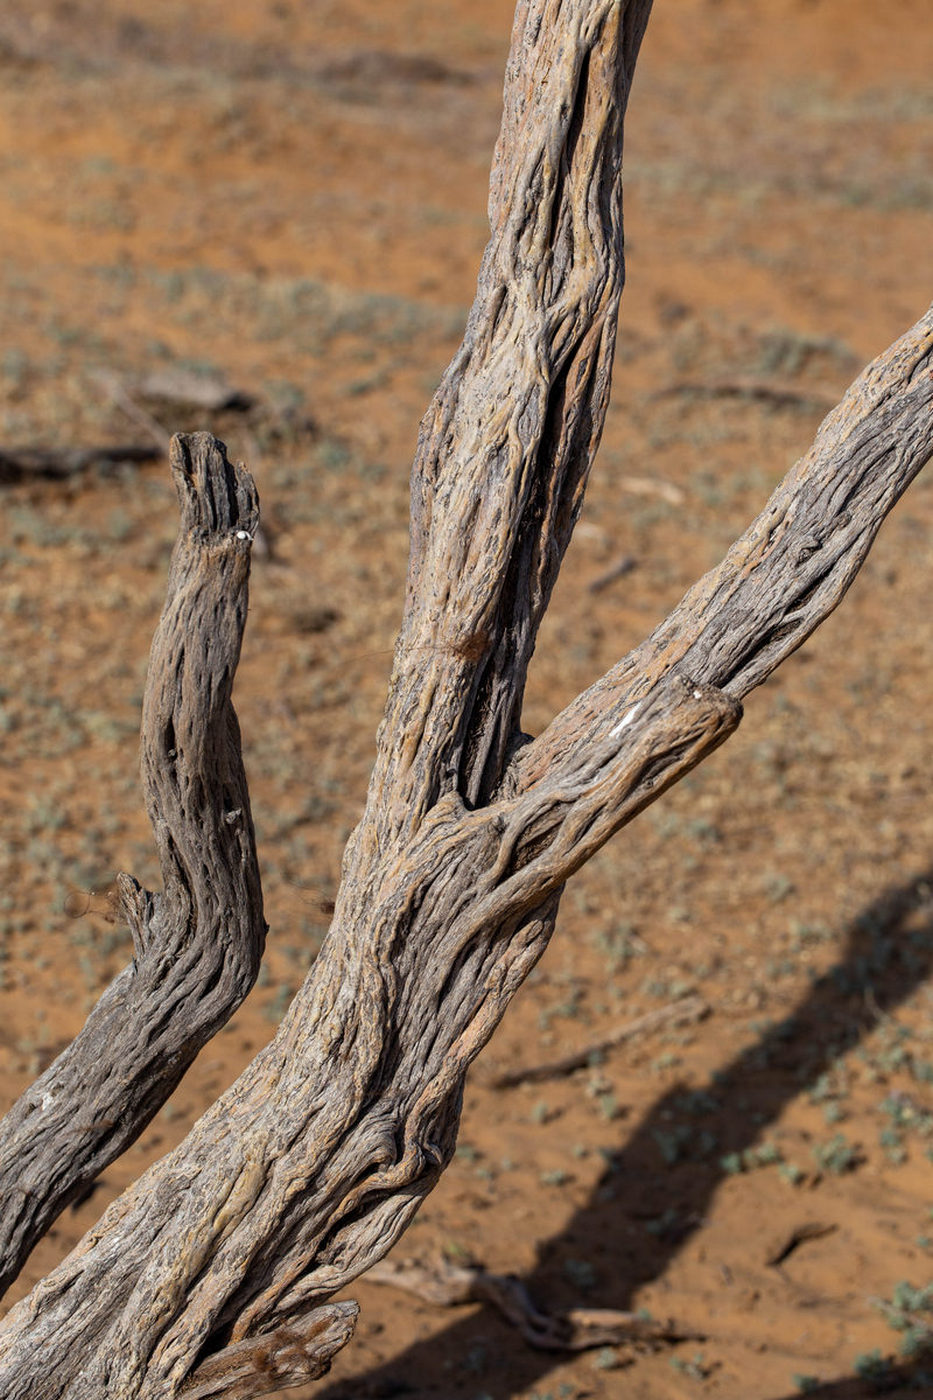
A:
{"points": [[212, 1274], [198, 944], [792, 566]]}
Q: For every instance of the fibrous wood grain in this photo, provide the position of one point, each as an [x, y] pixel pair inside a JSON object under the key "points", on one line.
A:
{"points": [[794, 563], [506, 445], [198, 944], [310, 1167]]}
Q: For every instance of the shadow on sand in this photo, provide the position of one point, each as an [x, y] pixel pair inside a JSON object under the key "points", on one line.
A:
{"points": [[883, 962]]}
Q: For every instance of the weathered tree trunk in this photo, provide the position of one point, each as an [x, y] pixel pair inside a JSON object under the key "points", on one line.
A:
{"points": [[211, 1276]]}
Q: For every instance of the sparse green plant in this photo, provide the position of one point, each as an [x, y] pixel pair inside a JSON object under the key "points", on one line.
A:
{"points": [[837, 1156], [667, 1225], [620, 944], [778, 886], [609, 1106], [581, 1273], [767, 1155], [349, 1061], [673, 1143], [873, 1367], [607, 1359], [697, 1368], [456, 1252], [909, 1311]]}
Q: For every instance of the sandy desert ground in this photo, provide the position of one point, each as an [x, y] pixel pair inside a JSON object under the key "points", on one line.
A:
{"points": [[289, 197]]}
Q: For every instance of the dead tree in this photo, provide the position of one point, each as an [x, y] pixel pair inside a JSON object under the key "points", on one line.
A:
{"points": [[212, 1275]]}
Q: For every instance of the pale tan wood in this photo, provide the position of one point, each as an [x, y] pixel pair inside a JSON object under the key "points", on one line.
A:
{"points": [[212, 1274], [198, 944]]}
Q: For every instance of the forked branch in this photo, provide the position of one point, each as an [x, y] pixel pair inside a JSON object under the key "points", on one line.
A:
{"points": [[794, 563], [212, 1274]]}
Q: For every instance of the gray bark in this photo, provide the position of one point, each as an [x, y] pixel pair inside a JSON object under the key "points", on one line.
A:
{"points": [[198, 944], [212, 1274]]}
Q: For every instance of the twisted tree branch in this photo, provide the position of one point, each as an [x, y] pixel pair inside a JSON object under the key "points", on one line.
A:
{"points": [[198, 944], [219, 1262]]}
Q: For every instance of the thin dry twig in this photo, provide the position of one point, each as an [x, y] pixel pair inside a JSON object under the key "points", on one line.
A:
{"points": [[19, 464], [119, 394], [756, 390], [678, 1013], [310, 1167], [618, 570], [578, 1329]]}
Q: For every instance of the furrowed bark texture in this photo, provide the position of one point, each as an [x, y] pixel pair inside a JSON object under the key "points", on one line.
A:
{"points": [[212, 1274], [198, 945], [793, 565], [506, 446], [335, 1134]]}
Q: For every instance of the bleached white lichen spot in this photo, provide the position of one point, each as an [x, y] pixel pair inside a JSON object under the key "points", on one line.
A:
{"points": [[698, 695], [625, 720]]}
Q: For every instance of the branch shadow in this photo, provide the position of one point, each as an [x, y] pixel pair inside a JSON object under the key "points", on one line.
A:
{"points": [[629, 1229], [897, 1382]]}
